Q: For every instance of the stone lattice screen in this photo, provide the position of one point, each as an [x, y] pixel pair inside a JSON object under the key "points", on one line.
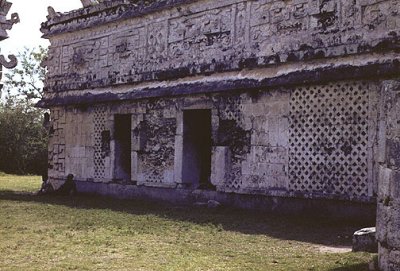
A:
{"points": [[331, 139], [100, 114]]}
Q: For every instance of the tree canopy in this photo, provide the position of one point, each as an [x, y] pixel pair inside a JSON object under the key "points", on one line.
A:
{"points": [[23, 139]]}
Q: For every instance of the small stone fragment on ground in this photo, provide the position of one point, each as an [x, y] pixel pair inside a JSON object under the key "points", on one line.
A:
{"points": [[213, 204], [365, 240]]}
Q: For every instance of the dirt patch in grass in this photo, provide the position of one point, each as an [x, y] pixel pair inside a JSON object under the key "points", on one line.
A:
{"points": [[334, 249]]}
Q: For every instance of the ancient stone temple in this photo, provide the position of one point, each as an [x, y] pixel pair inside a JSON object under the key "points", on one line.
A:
{"points": [[261, 103]]}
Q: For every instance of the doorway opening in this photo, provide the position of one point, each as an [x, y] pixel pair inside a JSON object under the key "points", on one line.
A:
{"points": [[197, 148], [122, 132]]}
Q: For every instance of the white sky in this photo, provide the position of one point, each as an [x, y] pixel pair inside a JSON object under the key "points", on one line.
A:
{"points": [[32, 13]]}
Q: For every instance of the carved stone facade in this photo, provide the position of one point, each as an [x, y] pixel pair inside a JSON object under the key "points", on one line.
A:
{"points": [[194, 39], [270, 98], [4, 26]]}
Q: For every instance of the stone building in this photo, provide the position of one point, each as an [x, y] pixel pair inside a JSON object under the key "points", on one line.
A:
{"points": [[258, 103]]}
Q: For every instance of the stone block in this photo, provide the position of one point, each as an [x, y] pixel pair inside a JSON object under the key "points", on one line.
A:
{"points": [[259, 138], [247, 168], [247, 123], [365, 240], [260, 124], [393, 153], [169, 177], [136, 120], [89, 152], [169, 113], [383, 216], [383, 259], [179, 123], [139, 142], [395, 185], [385, 180], [82, 152], [394, 259], [141, 179], [393, 226], [178, 156], [134, 166], [220, 165]]}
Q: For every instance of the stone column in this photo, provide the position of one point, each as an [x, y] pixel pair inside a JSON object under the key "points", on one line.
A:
{"points": [[388, 217]]}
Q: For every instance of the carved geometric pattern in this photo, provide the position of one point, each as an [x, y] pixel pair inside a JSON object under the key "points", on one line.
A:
{"points": [[230, 109], [56, 153], [154, 177], [99, 127], [234, 180], [329, 139]]}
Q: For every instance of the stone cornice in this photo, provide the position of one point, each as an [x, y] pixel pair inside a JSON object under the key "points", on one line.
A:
{"points": [[228, 83]]}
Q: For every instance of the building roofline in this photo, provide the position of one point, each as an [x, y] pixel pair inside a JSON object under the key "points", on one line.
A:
{"points": [[103, 13]]}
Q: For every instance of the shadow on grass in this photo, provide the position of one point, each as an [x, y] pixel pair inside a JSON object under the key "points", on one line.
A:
{"points": [[354, 267], [322, 231], [359, 267]]}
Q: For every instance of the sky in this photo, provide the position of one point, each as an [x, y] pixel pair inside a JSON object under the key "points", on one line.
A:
{"points": [[32, 13]]}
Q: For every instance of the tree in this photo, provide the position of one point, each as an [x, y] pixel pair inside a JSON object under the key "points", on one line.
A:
{"points": [[26, 80], [23, 139]]}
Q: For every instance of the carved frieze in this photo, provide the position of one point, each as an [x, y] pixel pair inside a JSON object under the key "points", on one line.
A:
{"points": [[7, 24], [205, 37], [195, 36]]}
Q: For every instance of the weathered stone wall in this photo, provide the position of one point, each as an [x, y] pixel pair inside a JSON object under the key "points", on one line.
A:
{"points": [[115, 43], [302, 95], [388, 219], [307, 141]]}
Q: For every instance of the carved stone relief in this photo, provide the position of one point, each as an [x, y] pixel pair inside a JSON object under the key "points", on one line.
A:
{"points": [[5, 25], [206, 40]]}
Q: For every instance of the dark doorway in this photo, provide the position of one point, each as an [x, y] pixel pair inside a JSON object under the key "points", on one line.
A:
{"points": [[122, 126], [197, 148]]}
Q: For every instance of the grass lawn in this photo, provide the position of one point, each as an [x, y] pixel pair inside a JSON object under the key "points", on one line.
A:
{"points": [[93, 233]]}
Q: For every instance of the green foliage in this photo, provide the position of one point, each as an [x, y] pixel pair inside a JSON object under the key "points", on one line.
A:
{"points": [[23, 140], [26, 80]]}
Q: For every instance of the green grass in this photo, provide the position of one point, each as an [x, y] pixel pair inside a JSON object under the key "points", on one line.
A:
{"points": [[93, 233]]}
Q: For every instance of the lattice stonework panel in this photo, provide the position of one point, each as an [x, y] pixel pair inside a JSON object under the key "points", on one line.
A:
{"points": [[329, 139], [99, 127]]}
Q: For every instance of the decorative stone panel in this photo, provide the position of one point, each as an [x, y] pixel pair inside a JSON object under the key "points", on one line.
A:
{"points": [[156, 136], [157, 42], [330, 139], [56, 149], [100, 150]]}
